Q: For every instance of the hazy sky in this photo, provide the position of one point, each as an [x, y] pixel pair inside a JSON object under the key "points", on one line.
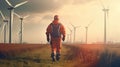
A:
{"points": [[77, 12]]}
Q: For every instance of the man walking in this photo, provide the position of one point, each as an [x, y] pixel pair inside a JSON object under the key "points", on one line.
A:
{"points": [[55, 33]]}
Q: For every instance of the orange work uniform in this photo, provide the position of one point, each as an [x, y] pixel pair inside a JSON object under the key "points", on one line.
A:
{"points": [[55, 41]]}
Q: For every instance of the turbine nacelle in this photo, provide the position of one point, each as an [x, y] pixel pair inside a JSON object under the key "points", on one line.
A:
{"points": [[5, 20], [86, 27], [11, 8], [105, 9], [21, 18]]}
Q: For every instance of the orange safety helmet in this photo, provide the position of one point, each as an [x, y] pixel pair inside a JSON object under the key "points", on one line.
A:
{"points": [[56, 17]]}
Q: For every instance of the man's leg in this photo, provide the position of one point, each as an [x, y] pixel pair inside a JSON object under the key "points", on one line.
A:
{"points": [[53, 57], [58, 56], [58, 51], [53, 48]]}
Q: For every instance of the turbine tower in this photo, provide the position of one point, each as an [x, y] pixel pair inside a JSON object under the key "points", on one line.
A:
{"points": [[11, 17], [105, 25], [74, 27], [4, 26], [21, 26]]}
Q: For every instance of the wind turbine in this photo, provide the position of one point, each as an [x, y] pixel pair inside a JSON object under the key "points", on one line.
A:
{"points": [[4, 26], [87, 31], [11, 16], [68, 38], [70, 34], [21, 26], [74, 27], [106, 11]]}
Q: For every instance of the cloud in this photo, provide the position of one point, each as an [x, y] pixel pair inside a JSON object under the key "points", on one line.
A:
{"points": [[48, 17], [35, 5], [40, 5], [82, 1]]}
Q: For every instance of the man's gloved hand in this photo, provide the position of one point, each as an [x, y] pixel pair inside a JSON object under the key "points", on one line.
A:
{"points": [[48, 39], [63, 38]]}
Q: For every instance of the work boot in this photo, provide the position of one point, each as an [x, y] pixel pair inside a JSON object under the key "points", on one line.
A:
{"points": [[58, 57], [52, 56]]}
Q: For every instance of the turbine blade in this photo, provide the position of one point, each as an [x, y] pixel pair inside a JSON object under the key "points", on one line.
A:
{"points": [[102, 4], [109, 4], [2, 15], [9, 3], [20, 4], [72, 25], [1, 25], [90, 23], [17, 15], [70, 29], [26, 16]]}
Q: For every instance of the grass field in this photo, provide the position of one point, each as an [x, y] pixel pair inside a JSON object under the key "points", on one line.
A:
{"points": [[38, 55]]}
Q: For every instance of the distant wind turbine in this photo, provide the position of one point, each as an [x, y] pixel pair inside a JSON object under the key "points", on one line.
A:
{"points": [[70, 34], [21, 26], [86, 40], [4, 26], [11, 16], [74, 27], [106, 11], [68, 38]]}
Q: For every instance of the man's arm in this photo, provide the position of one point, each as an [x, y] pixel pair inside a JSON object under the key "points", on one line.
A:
{"points": [[63, 32], [48, 31]]}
